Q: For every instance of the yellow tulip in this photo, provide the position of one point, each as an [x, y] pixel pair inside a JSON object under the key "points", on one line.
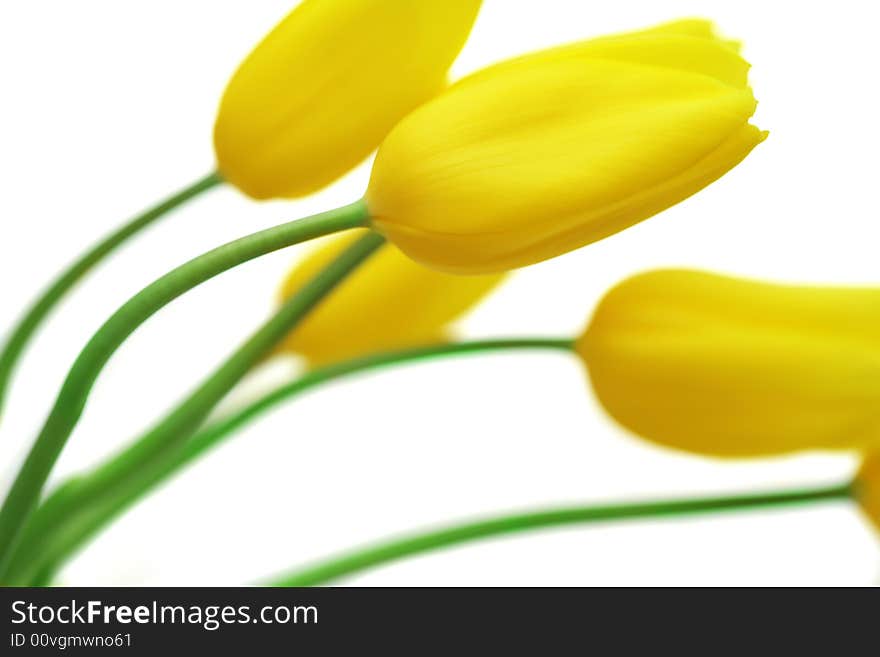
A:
{"points": [[868, 488], [731, 367], [327, 84], [546, 153], [390, 302]]}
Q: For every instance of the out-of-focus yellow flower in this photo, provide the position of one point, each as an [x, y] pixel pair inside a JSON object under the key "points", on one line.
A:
{"points": [[868, 487], [327, 84], [543, 154], [390, 302], [730, 367]]}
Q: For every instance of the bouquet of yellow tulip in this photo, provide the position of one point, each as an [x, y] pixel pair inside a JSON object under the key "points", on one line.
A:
{"points": [[517, 163]]}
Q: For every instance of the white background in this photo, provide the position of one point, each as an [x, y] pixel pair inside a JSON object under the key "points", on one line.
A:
{"points": [[108, 106]]}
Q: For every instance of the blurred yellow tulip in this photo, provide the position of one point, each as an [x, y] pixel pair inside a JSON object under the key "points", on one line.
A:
{"points": [[320, 92], [867, 487], [546, 153], [730, 367], [390, 302]]}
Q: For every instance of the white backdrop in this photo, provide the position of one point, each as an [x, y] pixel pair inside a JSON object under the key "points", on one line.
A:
{"points": [[107, 106]]}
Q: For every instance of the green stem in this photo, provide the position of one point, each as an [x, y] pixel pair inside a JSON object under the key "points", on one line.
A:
{"points": [[334, 568], [83, 506], [22, 333], [28, 485]]}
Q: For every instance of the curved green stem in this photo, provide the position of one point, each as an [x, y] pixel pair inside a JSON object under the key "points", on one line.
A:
{"points": [[24, 330], [83, 506], [332, 569], [24, 494]]}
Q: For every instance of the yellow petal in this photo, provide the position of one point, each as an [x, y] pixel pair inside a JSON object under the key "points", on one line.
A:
{"points": [[327, 84], [390, 302], [696, 27], [730, 367], [868, 488], [550, 152], [686, 45]]}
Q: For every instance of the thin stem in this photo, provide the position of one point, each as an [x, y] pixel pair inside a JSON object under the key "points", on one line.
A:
{"points": [[22, 333], [334, 568], [83, 506], [25, 491]]}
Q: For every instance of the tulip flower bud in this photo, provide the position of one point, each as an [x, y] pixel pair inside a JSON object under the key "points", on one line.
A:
{"points": [[868, 487], [389, 302], [320, 92], [730, 367], [540, 155]]}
